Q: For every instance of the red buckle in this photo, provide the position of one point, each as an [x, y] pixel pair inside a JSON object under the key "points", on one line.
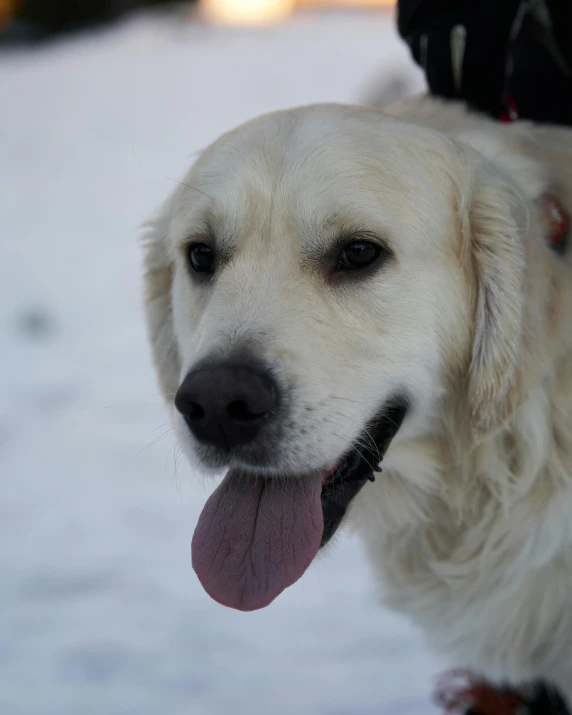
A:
{"points": [[510, 112]]}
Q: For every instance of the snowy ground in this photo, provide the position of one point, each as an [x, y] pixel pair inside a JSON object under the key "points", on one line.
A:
{"points": [[100, 612]]}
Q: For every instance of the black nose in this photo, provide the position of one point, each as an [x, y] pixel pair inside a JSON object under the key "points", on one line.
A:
{"points": [[226, 404]]}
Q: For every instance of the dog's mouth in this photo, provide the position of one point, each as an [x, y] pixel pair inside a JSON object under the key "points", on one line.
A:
{"points": [[256, 536]]}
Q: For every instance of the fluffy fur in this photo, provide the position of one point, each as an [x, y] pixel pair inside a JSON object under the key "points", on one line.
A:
{"points": [[469, 529]]}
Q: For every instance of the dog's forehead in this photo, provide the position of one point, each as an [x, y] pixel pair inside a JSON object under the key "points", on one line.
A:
{"points": [[307, 171]]}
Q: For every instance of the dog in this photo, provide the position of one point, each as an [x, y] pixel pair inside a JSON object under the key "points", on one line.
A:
{"points": [[361, 317]]}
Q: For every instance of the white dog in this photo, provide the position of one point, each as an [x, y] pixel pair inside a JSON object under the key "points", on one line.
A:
{"points": [[333, 283]]}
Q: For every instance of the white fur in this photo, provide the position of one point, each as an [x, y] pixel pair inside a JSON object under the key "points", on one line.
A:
{"points": [[469, 528]]}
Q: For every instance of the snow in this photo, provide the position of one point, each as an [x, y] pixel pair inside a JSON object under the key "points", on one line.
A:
{"points": [[100, 611]]}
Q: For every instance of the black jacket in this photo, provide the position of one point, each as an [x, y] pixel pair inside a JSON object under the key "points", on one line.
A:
{"points": [[495, 54]]}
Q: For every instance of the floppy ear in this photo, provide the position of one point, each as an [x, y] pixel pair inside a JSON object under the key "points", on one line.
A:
{"points": [[158, 279], [495, 222]]}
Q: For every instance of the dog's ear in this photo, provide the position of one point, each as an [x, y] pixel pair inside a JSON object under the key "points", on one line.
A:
{"points": [[158, 278], [495, 219]]}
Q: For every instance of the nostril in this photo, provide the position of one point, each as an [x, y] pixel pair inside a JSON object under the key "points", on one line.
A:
{"points": [[195, 411], [227, 404], [239, 411]]}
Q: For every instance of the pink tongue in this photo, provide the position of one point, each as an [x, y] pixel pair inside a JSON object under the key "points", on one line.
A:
{"points": [[256, 537]]}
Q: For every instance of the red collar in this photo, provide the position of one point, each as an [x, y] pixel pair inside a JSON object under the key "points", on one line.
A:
{"points": [[458, 692], [557, 222], [554, 214]]}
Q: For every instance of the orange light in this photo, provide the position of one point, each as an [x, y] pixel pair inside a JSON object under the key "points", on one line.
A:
{"points": [[350, 3], [262, 12], [247, 12]]}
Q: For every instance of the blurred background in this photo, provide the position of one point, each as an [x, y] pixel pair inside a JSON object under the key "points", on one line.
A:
{"points": [[103, 103]]}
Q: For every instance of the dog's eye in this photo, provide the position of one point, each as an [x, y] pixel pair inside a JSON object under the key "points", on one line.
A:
{"points": [[358, 254], [201, 258]]}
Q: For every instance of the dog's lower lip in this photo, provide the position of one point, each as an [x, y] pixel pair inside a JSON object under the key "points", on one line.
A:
{"points": [[358, 465]]}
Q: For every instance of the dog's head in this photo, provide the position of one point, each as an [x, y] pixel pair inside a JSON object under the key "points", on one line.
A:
{"points": [[323, 279]]}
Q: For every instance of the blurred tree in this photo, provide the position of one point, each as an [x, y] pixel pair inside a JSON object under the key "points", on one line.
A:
{"points": [[7, 10], [29, 20]]}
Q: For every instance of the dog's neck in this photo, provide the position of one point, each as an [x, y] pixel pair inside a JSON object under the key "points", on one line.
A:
{"points": [[457, 492]]}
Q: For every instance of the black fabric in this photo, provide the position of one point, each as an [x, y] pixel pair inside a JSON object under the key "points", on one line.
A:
{"points": [[546, 701], [508, 53], [541, 78], [543, 700], [426, 26], [561, 16]]}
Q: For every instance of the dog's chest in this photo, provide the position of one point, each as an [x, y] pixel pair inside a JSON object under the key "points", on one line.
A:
{"points": [[493, 596]]}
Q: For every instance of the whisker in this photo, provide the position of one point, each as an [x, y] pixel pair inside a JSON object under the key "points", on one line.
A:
{"points": [[148, 434], [346, 399], [362, 456], [130, 399], [176, 480], [161, 436], [163, 176], [373, 445]]}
